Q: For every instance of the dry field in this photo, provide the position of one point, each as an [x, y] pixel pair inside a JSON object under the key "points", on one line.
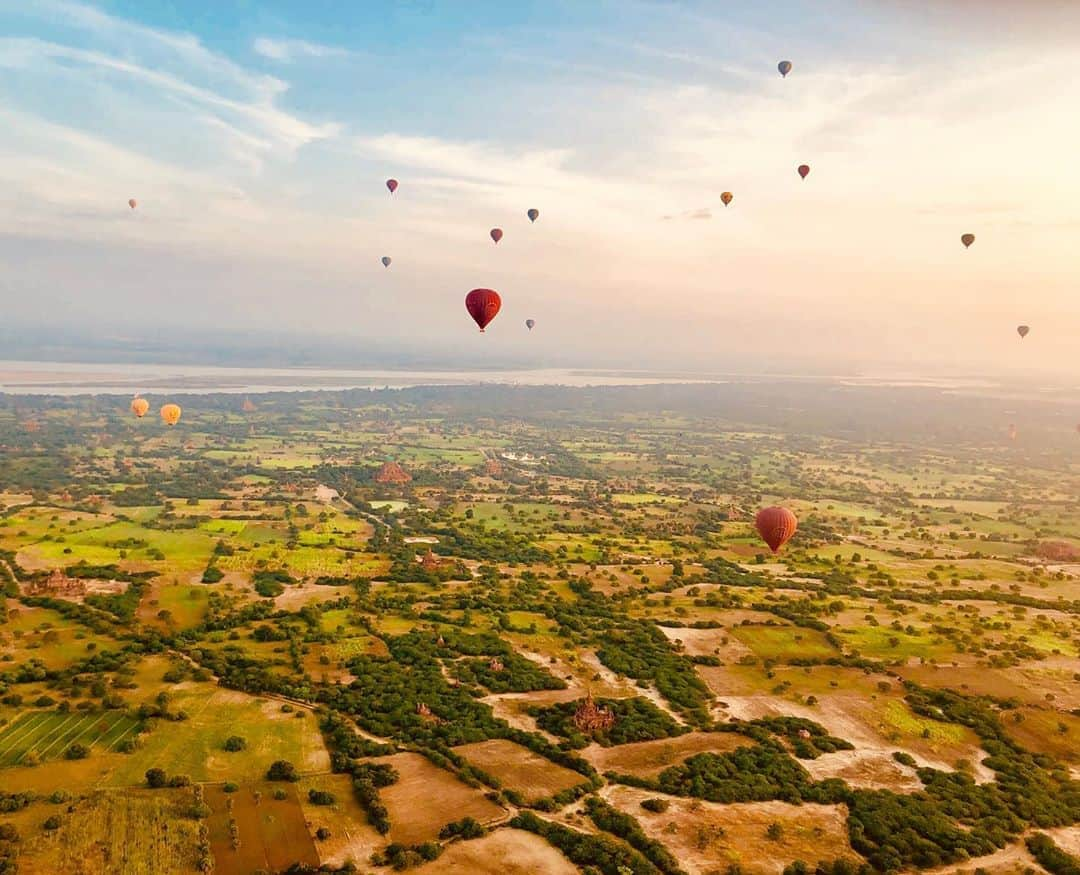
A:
{"points": [[273, 834], [518, 768], [705, 836], [426, 798], [646, 759], [505, 852], [133, 833]]}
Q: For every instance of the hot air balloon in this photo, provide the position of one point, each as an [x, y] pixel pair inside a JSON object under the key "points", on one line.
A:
{"points": [[248, 406], [170, 413], [1022, 330], [776, 525], [483, 305], [967, 239], [1012, 431], [392, 185], [726, 198], [386, 259], [533, 214], [496, 234], [133, 203], [804, 170], [139, 406], [784, 67], [530, 324]]}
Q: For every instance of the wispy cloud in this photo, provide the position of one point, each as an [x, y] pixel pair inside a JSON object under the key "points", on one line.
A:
{"points": [[289, 50]]}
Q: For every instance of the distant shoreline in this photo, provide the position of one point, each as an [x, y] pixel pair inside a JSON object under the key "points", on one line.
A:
{"points": [[75, 378]]}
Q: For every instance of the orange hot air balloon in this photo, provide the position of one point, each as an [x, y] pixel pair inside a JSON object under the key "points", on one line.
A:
{"points": [[776, 525], [727, 197], [1023, 331], [392, 185], [170, 413], [248, 406], [139, 406], [967, 239], [133, 203], [483, 305], [496, 234], [804, 170]]}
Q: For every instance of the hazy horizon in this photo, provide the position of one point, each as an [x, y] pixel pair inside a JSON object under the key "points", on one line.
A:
{"points": [[257, 142]]}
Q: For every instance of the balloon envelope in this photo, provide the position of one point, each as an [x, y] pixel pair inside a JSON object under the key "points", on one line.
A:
{"points": [[170, 413], [784, 67], [727, 197], [483, 305], [1022, 330], [139, 406], [967, 239], [386, 259], [804, 170], [133, 203], [496, 234], [776, 525], [392, 185], [530, 323], [533, 214]]}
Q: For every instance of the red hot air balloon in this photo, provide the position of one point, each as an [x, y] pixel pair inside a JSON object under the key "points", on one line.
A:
{"points": [[392, 185], [804, 170], [1023, 331], [496, 234], [776, 525], [483, 305], [133, 203]]}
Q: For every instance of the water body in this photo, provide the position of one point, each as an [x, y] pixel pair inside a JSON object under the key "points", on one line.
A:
{"points": [[71, 378]]}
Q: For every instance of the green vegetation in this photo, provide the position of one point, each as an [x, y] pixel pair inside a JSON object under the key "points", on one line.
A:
{"points": [[239, 601]]}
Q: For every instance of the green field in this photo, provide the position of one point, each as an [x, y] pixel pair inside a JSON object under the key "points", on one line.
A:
{"points": [[46, 735]]}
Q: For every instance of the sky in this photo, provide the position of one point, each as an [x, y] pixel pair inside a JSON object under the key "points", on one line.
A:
{"points": [[256, 137]]}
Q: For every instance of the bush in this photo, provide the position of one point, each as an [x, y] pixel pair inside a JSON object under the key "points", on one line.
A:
{"points": [[320, 797], [657, 806], [52, 822], [156, 778], [235, 743], [77, 752]]}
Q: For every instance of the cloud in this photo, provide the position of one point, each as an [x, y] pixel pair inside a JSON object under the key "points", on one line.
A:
{"points": [[289, 50]]}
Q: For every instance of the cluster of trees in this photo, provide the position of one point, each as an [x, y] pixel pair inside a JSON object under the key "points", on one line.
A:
{"points": [[608, 856], [636, 719], [157, 778], [1051, 857], [368, 779], [517, 674], [638, 649], [808, 739], [618, 823]]}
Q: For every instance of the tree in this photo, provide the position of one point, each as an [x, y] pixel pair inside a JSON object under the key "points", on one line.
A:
{"points": [[282, 770], [775, 832], [235, 743], [156, 778], [77, 752]]}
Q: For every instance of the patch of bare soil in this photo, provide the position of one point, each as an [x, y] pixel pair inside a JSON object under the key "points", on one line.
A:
{"points": [[706, 836], [519, 769], [426, 798], [647, 759], [504, 852]]}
